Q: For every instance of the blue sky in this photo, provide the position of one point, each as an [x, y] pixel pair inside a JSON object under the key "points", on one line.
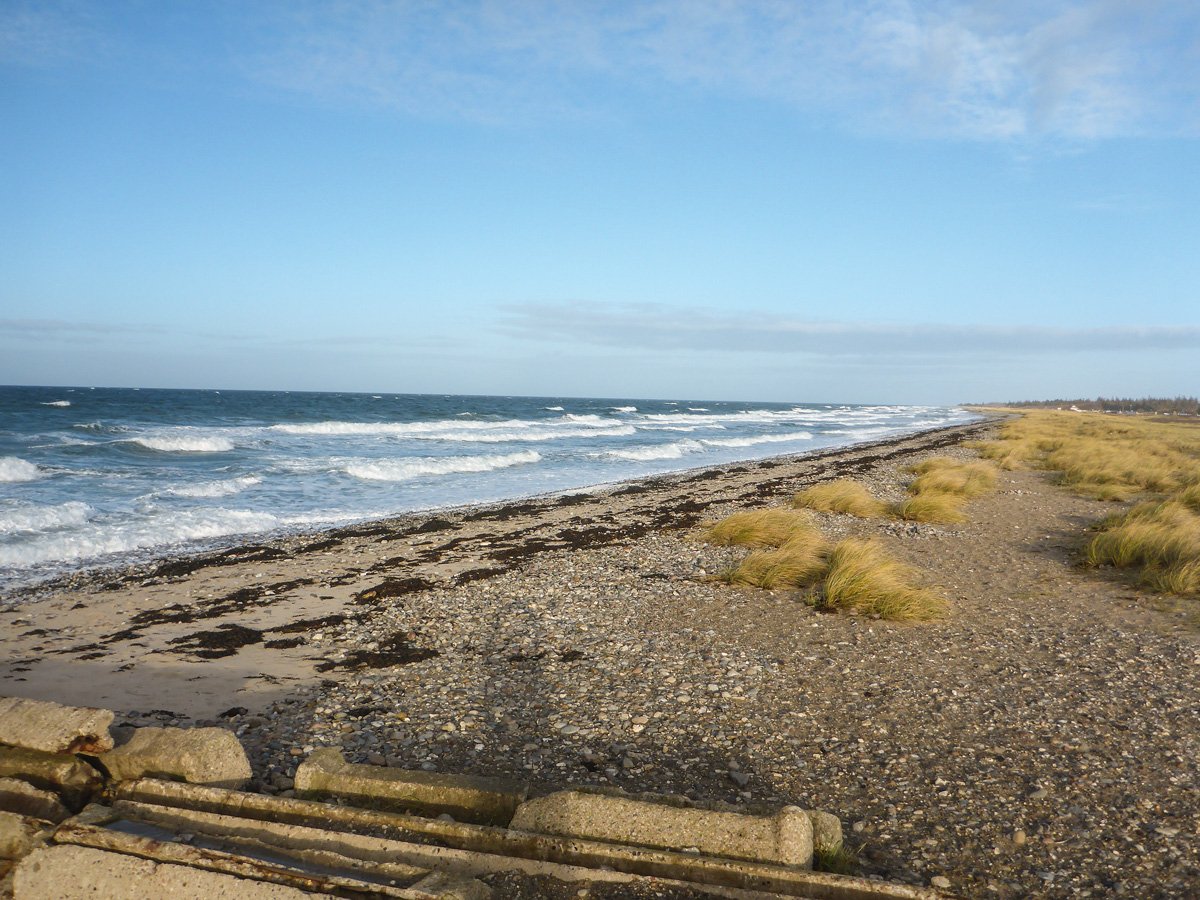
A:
{"points": [[871, 202]]}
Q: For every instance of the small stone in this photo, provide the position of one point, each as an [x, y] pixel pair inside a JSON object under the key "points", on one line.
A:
{"points": [[741, 779], [941, 882], [1039, 794], [1019, 837]]}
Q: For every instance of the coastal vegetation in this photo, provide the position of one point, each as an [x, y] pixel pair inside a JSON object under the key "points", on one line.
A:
{"points": [[1162, 406], [758, 528], [853, 575], [1106, 458], [938, 493], [844, 495]]}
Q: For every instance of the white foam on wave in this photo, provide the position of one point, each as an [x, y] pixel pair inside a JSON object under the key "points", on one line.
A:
{"points": [[94, 539], [224, 488], [675, 450], [184, 444], [493, 432], [554, 408], [758, 439], [624, 409], [697, 409], [406, 469], [43, 518], [590, 419], [57, 403], [13, 469]]}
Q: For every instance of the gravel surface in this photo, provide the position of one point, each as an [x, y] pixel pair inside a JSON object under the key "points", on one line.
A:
{"points": [[1042, 741]]}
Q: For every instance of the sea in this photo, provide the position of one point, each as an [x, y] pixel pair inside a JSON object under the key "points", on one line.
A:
{"points": [[93, 477]]}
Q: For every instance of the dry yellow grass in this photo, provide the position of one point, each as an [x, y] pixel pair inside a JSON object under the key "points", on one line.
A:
{"points": [[854, 575], [939, 508], [951, 476], [1160, 540], [758, 528], [798, 563], [842, 496], [1117, 458], [862, 578]]}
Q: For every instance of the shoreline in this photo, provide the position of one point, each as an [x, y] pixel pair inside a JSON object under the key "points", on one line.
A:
{"points": [[202, 633], [1040, 741], [148, 560]]}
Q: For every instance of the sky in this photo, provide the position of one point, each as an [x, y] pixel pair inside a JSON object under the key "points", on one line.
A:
{"points": [[873, 202]]}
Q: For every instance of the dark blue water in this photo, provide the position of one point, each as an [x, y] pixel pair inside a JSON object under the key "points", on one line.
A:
{"points": [[98, 476]]}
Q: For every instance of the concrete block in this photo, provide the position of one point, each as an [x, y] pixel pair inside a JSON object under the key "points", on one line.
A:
{"points": [[827, 831], [211, 756], [785, 838], [75, 781], [51, 728], [75, 873], [17, 835], [485, 801], [24, 799]]}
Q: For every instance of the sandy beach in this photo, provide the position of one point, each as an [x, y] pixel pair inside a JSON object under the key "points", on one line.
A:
{"points": [[1041, 741]]}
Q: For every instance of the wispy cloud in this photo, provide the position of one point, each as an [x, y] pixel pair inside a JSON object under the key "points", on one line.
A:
{"points": [[60, 329], [663, 328], [1080, 70]]}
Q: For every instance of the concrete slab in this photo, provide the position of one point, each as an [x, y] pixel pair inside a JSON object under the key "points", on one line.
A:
{"points": [[468, 798], [52, 728], [75, 781], [475, 849], [17, 834], [84, 873], [23, 798], [211, 756], [785, 838]]}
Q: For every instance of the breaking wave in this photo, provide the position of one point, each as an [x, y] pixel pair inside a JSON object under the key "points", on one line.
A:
{"points": [[406, 469], [43, 518], [182, 444], [14, 469]]}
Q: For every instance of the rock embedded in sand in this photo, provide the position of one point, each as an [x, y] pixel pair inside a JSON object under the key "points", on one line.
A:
{"points": [[53, 728], [211, 756]]}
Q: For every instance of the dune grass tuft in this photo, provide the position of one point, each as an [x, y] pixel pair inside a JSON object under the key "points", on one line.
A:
{"points": [[758, 528], [862, 578], [800, 562], [841, 496], [951, 476], [854, 575], [1160, 540], [938, 508]]}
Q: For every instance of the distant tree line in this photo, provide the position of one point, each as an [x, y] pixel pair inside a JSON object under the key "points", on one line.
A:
{"points": [[1173, 406]]}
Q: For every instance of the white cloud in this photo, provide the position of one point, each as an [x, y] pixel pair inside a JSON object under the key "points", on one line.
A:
{"points": [[982, 70], [661, 328]]}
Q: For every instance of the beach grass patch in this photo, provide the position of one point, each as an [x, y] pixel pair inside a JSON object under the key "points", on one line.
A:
{"points": [[841, 496], [863, 578], [933, 507], [798, 563], [944, 475], [1160, 540], [758, 528]]}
